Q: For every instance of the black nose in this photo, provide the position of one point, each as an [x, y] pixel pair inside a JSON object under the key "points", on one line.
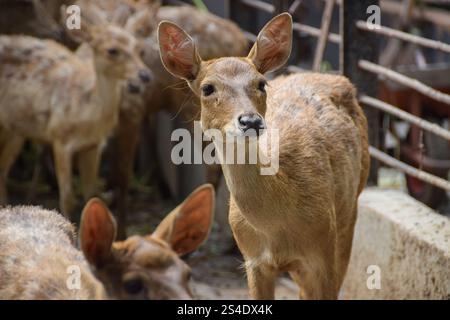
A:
{"points": [[251, 121], [132, 88], [144, 75]]}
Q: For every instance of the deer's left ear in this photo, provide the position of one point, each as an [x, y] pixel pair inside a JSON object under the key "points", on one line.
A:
{"points": [[178, 52], [273, 45], [188, 225]]}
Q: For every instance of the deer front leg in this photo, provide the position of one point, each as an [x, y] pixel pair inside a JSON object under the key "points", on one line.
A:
{"points": [[88, 166], [127, 141], [63, 164], [317, 274], [261, 281], [8, 154], [260, 277]]}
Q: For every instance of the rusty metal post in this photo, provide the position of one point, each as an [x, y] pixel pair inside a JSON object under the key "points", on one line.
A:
{"points": [[356, 45]]}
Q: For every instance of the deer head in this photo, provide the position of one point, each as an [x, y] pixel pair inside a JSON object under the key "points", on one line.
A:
{"points": [[147, 267], [231, 90]]}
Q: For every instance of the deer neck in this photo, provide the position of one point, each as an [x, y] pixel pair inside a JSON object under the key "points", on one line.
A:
{"points": [[256, 194], [107, 93]]}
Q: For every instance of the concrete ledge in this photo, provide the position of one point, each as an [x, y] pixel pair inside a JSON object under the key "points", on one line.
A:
{"points": [[406, 241]]}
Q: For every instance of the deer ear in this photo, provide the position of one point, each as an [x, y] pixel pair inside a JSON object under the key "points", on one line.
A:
{"points": [[188, 225], [143, 23], [273, 44], [81, 34], [97, 232], [178, 52]]}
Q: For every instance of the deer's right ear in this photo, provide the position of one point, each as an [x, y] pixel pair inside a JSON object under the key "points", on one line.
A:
{"points": [[178, 52], [97, 232]]}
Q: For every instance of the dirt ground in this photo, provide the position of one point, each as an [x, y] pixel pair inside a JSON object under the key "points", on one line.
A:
{"points": [[217, 271]]}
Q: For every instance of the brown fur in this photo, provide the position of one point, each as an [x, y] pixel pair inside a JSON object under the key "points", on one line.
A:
{"points": [[301, 219], [216, 37], [147, 267], [49, 94], [36, 249]]}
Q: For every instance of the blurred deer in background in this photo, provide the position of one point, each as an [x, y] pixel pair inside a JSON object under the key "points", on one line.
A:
{"points": [[300, 219], [38, 257], [147, 267], [216, 37], [49, 94]]}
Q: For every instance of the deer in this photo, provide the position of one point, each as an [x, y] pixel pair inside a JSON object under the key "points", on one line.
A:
{"points": [[49, 94], [150, 266], [39, 257], [217, 36], [300, 218]]}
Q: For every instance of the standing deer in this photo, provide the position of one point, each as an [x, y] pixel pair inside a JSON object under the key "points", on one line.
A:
{"points": [[301, 219], [38, 259], [49, 94], [217, 37]]}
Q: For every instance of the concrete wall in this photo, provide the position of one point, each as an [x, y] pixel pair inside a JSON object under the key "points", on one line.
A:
{"points": [[406, 241]]}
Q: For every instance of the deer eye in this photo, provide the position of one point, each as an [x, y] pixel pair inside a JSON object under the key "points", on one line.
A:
{"points": [[262, 86], [208, 89], [133, 285], [113, 52]]}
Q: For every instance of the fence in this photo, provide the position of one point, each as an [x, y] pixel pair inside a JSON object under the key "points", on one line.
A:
{"points": [[359, 42]]}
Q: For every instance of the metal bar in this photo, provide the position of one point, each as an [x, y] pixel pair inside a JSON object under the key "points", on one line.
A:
{"points": [[294, 6], [405, 80], [250, 36], [386, 31], [312, 31], [419, 174], [294, 69], [357, 45], [261, 5], [324, 31], [421, 123], [437, 17]]}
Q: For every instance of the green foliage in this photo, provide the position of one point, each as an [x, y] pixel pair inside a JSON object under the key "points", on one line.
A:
{"points": [[200, 5]]}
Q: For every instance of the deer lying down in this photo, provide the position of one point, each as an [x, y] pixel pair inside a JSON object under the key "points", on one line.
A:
{"points": [[37, 253], [49, 94], [147, 267], [300, 219]]}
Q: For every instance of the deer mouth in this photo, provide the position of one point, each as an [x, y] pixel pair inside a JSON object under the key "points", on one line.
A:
{"points": [[133, 88]]}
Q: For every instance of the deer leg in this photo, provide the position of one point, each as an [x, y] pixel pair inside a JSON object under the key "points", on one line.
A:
{"points": [[261, 281], [8, 154], [63, 164], [344, 248], [127, 140], [317, 278], [88, 166]]}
